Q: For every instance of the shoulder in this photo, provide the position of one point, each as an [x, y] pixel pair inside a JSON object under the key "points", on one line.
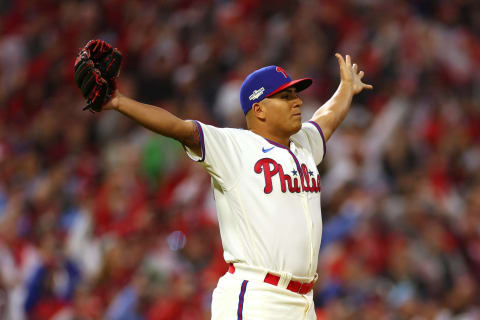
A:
{"points": [[311, 137], [235, 136], [308, 128], [224, 130], [301, 136]]}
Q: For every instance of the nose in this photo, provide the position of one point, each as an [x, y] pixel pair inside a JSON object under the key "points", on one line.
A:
{"points": [[297, 103]]}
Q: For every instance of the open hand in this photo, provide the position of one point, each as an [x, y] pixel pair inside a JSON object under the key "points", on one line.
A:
{"points": [[349, 74]]}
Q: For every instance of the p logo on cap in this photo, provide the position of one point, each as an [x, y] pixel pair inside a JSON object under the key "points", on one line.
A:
{"points": [[266, 82]]}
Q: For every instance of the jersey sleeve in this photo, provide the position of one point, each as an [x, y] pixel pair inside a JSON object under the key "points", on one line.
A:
{"points": [[220, 153], [314, 140]]}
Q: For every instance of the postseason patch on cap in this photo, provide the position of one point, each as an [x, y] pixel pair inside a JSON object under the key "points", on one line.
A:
{"points": [[265, 82], [256, 94]]}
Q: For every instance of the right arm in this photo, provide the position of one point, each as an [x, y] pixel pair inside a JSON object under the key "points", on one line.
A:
{"points": [[158, 120]]}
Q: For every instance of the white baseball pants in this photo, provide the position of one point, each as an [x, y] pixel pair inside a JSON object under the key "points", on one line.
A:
{"points": [[239, 297]]}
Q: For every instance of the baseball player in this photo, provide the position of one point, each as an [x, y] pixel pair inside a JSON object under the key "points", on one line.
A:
{"points": [[264, 179]]}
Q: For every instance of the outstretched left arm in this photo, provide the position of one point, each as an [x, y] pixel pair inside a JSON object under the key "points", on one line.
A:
{"points": [[331, 114]]}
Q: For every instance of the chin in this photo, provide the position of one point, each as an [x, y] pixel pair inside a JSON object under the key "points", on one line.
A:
{"points": [[296, 128]]}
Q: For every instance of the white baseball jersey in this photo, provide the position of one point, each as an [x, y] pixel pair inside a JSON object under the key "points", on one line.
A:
{"points": [[267, 196]]}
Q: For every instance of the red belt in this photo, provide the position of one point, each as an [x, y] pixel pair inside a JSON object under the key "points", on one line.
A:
{"points": [[294, 286]]}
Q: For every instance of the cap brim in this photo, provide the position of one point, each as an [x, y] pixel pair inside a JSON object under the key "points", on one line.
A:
{"points": [[299, 84]]}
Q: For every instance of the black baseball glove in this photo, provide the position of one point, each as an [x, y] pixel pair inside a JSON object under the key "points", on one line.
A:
{"points": [[96, 68]]}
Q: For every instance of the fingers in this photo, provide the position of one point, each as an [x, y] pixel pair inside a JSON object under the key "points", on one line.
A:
{"points": [[366, 86], [347, 62], [340, 59]]}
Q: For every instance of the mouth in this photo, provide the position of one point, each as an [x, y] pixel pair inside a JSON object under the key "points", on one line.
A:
{"points": [[297, 115]]}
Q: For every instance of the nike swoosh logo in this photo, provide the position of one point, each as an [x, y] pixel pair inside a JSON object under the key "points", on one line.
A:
{"points": [[266, 150]]}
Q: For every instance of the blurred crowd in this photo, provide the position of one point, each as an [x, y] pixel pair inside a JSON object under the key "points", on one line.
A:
{"points": [[102, 219]]}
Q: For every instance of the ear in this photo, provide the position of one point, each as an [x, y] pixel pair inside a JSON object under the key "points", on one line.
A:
{"points": [[258, 110]]}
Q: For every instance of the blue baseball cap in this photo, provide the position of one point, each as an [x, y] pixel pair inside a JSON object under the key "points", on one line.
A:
{"points": [[266, 82]]}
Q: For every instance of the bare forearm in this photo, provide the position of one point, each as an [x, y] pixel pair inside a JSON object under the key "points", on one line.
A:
{"points": [[331, 114], [158, 120]]}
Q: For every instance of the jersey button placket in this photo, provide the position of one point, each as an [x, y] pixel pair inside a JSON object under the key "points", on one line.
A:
{"points": [[306, 208]]}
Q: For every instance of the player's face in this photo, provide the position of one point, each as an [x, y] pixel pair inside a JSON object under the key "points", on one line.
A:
{"points": [[283, 111]]}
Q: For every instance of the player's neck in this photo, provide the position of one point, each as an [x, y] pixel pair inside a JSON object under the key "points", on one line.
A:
{"points": [[285, 141]]}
